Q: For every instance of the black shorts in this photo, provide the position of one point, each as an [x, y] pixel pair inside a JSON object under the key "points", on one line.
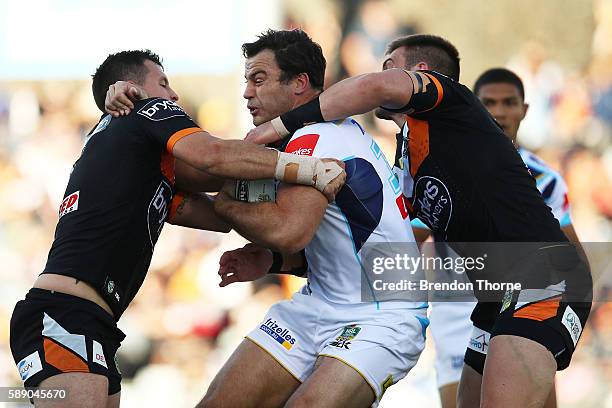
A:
{"points": [[53, 333], [554, 321]]}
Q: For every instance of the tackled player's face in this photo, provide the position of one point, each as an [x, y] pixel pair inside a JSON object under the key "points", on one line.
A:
{"points": [[504, 102], [156, 83], [267, 96]]}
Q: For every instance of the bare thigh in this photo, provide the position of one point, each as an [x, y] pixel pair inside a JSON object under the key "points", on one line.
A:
{"points": [[468, 395], [250, 378], [114, 400], [448, 395], [83, 390], [333, 384], [528, 373]]}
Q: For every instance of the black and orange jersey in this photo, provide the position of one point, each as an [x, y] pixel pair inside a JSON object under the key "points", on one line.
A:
{"points": [[461, 175], [117, 200]]}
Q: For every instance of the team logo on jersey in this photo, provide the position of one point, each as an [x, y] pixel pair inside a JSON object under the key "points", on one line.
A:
{"points": [[161, 109], [69, 204], [303, 145], [432, 203], [344, 339], [158, 210], [278, 333]]}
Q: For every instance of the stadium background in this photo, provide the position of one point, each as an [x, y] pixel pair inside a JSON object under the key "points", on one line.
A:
{"points": [[182, 327]]}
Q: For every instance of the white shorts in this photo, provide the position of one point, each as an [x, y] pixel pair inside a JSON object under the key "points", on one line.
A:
{"points": [[451, 328], [381, 345]]}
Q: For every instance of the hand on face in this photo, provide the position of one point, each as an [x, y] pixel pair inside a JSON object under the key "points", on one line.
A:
{"points": [[120, 97]]}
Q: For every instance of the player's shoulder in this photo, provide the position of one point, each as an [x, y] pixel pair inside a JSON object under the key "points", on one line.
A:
{"points": [[536, 164], [331, 138]]}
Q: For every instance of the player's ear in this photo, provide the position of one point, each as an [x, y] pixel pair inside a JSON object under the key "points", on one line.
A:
{"points": [[301, 83], [525, 109]]}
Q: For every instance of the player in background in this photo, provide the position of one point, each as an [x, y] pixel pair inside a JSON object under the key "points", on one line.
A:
{"points": [[466, 181], [325, 347], [121, 191]]}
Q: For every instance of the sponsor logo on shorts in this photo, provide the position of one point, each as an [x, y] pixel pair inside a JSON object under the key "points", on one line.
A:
{"points": [[507, 300], [432, 203], [278, 333], [348, 334], [98, 354], [70, 204], [572, 324], [29, 366], [385, 385], [303, 145], [161, 109], [479, 341]]}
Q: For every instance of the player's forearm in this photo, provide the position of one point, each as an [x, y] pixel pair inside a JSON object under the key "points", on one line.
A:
{"points": [[239, 160], [196, 210], [188, 178], [357, 95], [352, 96], [260, 223]]}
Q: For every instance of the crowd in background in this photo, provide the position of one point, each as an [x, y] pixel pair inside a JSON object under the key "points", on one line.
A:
{"points": [[182, 326]]}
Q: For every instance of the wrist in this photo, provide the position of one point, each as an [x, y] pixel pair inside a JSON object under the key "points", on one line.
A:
{"points": [[299, 117], [277, 262]]}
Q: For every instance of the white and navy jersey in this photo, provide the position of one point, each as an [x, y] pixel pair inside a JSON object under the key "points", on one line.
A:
{"points": [[369, 208], [550, 184]]}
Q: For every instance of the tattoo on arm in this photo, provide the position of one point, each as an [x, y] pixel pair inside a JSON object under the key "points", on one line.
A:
{"points": [[181, 207]]}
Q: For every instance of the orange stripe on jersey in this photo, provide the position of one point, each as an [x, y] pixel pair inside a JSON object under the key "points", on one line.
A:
{"points": [[418, 143], [62, 358], [179, 135], [539, 311], [167, 166], [438, 87]]}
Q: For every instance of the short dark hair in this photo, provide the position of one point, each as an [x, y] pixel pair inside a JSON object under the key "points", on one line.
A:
{"points": [[497, 75], [121, 66], [295, 53], [440, 54]]}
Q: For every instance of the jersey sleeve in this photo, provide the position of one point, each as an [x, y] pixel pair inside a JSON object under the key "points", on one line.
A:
{"points": [[558, 202], [164, 121]]}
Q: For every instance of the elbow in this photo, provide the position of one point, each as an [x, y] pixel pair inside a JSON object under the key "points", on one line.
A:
{"points": [[392, 88], [288, 242]]}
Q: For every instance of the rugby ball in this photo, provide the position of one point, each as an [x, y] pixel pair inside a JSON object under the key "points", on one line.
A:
{"points": [[256, 191]]}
